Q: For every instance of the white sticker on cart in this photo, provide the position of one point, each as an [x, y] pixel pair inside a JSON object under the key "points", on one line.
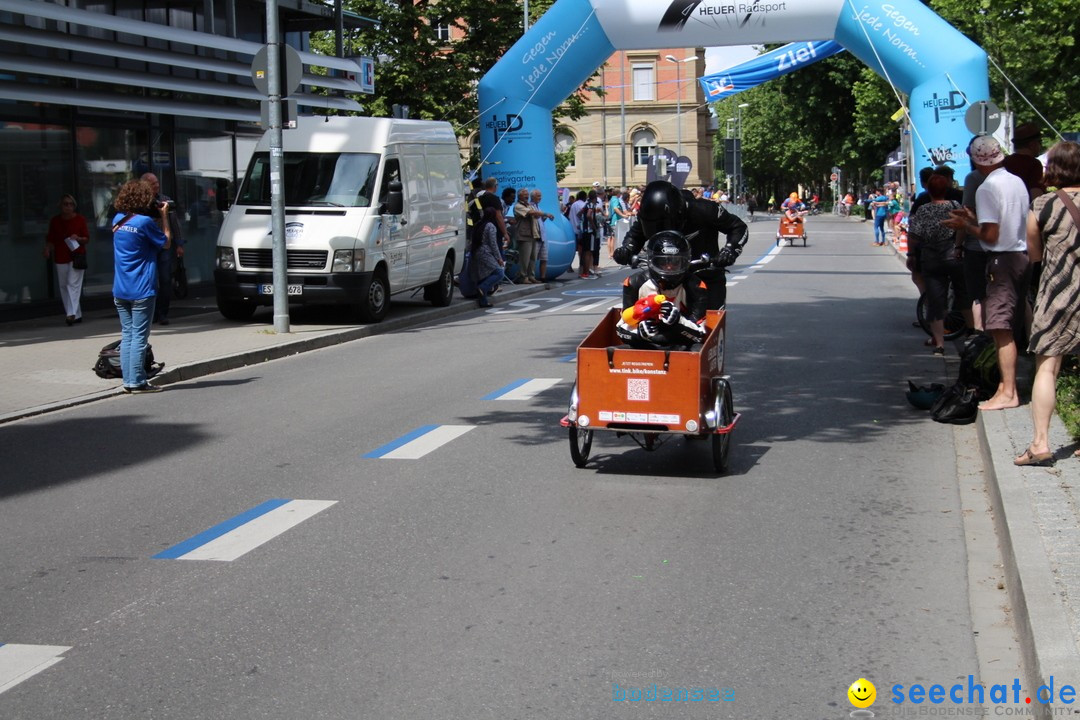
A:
{"points": [[637, 389], [662, 419], [637, 417], [605, 416], [618, 417]]}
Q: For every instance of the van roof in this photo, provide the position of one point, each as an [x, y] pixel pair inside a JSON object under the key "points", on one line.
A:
{"points": [[360, 134]]}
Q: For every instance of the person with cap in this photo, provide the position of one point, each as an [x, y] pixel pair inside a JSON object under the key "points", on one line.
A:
{"points": [[664, 207], [1001, 205], [1024, 162]]}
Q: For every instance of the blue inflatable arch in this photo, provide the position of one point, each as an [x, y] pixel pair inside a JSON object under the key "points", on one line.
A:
{"points": [[940, 70]]}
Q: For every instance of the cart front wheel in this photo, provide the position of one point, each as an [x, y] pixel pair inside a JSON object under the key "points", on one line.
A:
{"points": [[725, 413], [580, 445]]}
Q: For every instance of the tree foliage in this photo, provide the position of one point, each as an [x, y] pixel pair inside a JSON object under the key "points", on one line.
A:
{"points": [[837, 112], [435, 79]]}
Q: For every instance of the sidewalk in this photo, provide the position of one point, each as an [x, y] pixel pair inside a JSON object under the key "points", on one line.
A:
{"points": [[1037, 522], [45, 365]]}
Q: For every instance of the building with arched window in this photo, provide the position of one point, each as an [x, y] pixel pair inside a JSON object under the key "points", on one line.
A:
{"points": [[652, 107]]}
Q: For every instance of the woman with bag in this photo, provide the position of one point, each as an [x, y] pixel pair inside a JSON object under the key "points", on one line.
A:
{"points": [[136, 242], [935, 254], [1053, 238], [65, 243]]}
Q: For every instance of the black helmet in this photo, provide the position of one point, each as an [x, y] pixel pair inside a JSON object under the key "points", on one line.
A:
{"points": [[668, 254], [663, 207]]}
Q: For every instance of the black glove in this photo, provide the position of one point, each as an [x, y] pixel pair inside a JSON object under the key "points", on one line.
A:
{"points": [[727, 255], [648, 329], [622, 255], [669, 314]]}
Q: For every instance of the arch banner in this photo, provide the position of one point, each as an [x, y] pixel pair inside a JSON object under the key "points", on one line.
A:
{"points": [[765, 67], [940, 70]]}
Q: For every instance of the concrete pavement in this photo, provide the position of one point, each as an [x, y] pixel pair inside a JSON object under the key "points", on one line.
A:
{"points": [[1037, 522]]}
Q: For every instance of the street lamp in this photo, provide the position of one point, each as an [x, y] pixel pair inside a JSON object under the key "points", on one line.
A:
{"points": [[678, 94], [738, 152]]}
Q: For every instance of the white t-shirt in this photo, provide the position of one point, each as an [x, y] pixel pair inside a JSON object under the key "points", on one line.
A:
{"points": [[1003, 199], [579, 205]]}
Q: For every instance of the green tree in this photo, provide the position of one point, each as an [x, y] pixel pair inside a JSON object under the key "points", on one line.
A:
{"points": [[435, 79]]}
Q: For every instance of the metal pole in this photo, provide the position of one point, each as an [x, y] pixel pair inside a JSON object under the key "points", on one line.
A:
{"points": [[525, 24], [678, 105], [603, 121], [622, 114], [277, 204]]}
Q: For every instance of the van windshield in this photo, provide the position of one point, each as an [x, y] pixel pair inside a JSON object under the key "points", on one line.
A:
{"points": [[315, 179]]}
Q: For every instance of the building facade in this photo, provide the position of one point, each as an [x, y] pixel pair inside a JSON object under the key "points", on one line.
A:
{"points": [[652, 103], [95, 92]]}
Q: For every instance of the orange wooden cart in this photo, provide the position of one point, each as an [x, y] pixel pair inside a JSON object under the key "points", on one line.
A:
{"points": [[791, 230], [651, 395]]}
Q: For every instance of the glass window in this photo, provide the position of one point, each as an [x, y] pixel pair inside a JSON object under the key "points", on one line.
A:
{"points": [[315, 179], [565, 142], [204, 184], [35, 170], [442, 33], [644, 142], [644, 76]]}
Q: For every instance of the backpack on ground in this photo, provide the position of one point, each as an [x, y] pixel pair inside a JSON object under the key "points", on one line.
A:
{"points": [[978, 365], [958, 405], [108, 362]]}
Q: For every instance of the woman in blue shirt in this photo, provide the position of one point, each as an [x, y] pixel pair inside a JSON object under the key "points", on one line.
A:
{"points": [[137, 238]]}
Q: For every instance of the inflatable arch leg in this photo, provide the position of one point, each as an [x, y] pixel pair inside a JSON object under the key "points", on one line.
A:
{"points": [[938, 67]]}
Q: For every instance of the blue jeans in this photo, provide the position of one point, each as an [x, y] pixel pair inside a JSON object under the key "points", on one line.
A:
{"points": [[879, 227], [135, 318], [485, 285]]}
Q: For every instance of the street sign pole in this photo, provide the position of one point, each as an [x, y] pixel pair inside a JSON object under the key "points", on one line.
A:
{"points": [[277, 165]]}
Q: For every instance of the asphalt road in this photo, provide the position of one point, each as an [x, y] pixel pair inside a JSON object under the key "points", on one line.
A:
{"points": [[488, 577]]}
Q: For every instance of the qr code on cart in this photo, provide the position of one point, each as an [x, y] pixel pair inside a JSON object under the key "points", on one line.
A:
{"points": [[637, 389]]}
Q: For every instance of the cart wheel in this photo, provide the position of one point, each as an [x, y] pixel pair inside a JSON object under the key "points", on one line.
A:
{"points": [[580, 445], [778, 241], [804, 240], [725, 412]]}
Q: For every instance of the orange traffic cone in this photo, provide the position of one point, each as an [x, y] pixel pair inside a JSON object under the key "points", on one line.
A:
{"points": [[901, 241]]}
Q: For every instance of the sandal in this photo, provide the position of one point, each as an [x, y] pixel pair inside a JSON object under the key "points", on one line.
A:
{"points": [[1030, 459]]}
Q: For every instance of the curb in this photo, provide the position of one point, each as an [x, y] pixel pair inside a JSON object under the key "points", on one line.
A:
{"points": [[1047, 645], [202, 368]]}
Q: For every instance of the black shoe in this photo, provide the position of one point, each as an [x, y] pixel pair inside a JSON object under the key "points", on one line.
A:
{"points": [[144, 388], [69, 320], [78, 320]]}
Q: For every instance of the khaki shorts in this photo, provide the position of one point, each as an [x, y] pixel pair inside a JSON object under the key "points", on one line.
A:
{"points": [[1006, 274]]}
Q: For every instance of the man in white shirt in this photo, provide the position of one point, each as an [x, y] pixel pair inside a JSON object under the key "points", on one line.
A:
{"points": [[1001, 205]]}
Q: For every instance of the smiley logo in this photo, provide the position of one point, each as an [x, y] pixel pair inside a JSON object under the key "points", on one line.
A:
{"points": [[862, 693]]}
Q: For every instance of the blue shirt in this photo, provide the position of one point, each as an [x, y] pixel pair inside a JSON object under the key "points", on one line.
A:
{"points": [[882, 210], [135, 250]]}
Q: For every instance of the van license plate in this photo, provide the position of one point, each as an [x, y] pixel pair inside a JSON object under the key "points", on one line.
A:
{"points": [[268, 289]]}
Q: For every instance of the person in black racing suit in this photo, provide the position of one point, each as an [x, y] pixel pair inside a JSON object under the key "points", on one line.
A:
{"points": [[678, 321], [665, 207]]}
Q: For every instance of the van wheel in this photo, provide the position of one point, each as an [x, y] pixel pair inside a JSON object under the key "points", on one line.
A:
{"points": [[235, 310], [441, 292], [376, 302]]}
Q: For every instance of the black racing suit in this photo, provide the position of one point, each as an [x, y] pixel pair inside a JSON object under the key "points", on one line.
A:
{"points": [[704, 222], [689, 298]]}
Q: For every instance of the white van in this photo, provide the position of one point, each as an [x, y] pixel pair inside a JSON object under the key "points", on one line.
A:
{"points": [[373, 206]]}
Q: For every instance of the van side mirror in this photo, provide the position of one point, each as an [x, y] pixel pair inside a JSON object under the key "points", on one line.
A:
{"points": [[394, 202]]}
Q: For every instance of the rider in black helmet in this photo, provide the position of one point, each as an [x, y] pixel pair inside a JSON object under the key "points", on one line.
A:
{"points": [[677, 320], [665, 207]]}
